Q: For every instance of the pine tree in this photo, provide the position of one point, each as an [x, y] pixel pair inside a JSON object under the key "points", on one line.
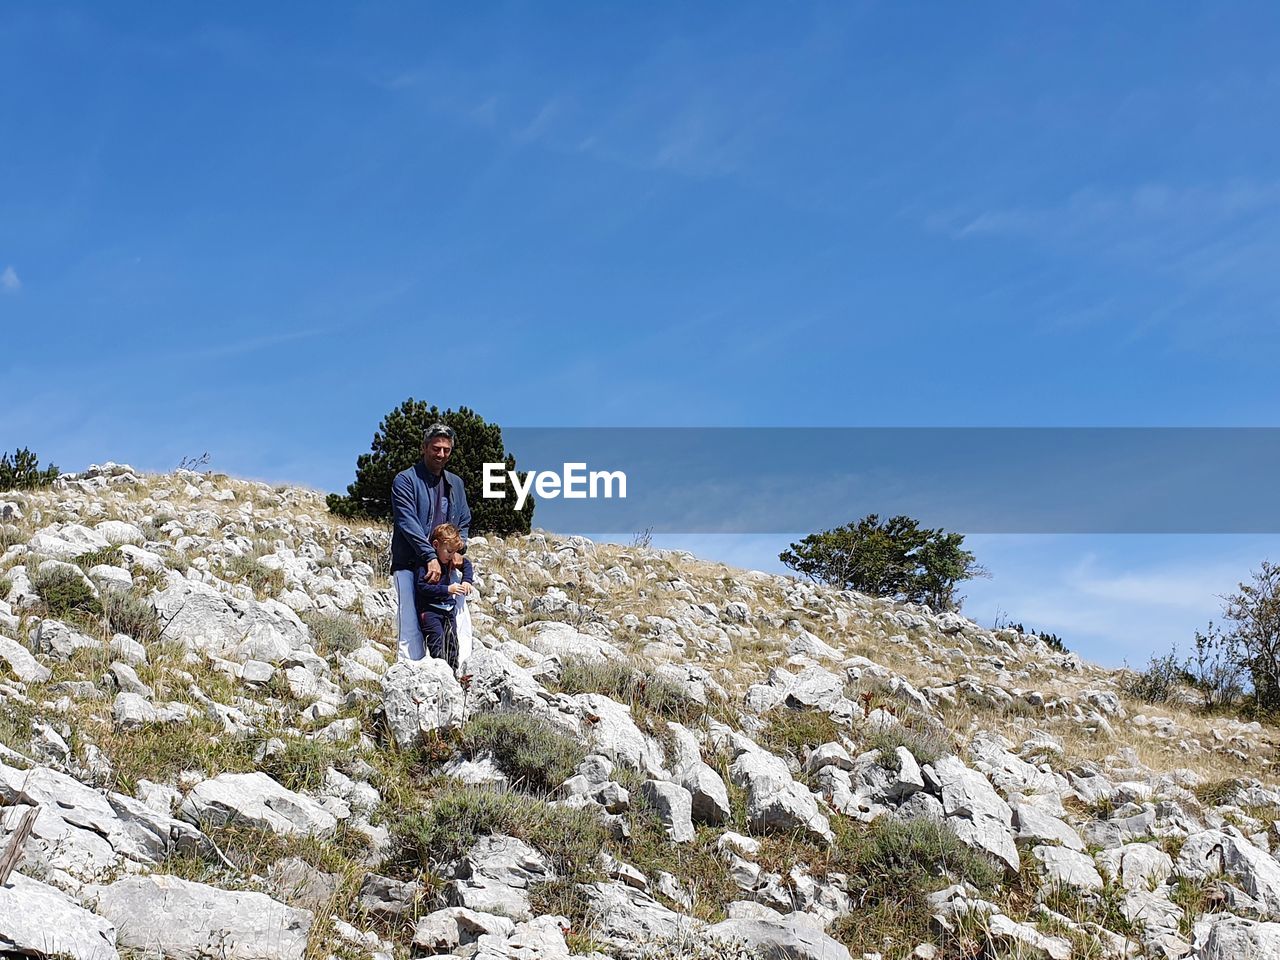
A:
{"points": [[397, 445]]}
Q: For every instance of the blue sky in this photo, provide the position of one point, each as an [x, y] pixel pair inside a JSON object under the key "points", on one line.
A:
{"points": [[254, 229]]}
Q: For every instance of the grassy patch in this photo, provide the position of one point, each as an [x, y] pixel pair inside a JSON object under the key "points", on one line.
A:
{"points": [[455, 816], [249, 569], [892, 866], [698, 865], [928, 742], [160, 752], [534, 754], [15, 725], [334, 633], [303, 763], [1193, 898], [1214, 793], [643, 689], [795, 731]]}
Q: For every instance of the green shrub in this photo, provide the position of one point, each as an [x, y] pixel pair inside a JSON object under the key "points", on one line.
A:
{"points": [[1158, 683], [65, 592], [6, 584], [643, 689], [892, 866], [535, 755], [107, 555], [456, 816], [129, 612], [334, 632], [22, 471]]}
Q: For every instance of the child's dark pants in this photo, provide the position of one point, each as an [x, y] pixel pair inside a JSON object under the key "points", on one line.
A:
{"points": [[441, 635]]}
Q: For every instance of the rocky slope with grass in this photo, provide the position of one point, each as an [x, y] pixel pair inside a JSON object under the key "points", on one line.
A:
{"points": [[207, 749]]}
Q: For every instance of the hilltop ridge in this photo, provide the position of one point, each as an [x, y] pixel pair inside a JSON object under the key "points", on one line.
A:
{"points": [[208, 749]]}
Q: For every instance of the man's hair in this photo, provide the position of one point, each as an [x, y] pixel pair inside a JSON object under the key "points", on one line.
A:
{"points": [[447, 535], [439, 429]]}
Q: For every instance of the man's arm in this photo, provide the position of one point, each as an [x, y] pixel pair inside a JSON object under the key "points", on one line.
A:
{"points": [[428, 592], [404, 510], [464, 512]]}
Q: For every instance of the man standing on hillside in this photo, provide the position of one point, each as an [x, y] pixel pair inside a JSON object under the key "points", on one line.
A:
{"points": [[423, 497]]}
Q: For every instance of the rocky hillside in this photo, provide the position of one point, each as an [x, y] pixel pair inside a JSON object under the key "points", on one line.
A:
{"points": [[207, 749]]}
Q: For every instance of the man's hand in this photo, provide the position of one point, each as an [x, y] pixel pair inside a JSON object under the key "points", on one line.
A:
{"points": [[433, 571]]}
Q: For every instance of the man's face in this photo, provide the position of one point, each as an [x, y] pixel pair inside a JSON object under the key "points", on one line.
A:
{"points": [[435, 453]]}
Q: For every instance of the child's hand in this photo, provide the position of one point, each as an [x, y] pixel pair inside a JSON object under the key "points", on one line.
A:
{"points": [[456, 589], [466, 588]]}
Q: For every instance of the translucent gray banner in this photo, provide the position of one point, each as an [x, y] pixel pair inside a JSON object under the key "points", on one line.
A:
{"points": [[971, 480]]}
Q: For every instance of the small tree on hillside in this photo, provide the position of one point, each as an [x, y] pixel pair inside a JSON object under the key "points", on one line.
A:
{"points": [[1250, 638], [22, 471], [895, 558], [397, 445]]}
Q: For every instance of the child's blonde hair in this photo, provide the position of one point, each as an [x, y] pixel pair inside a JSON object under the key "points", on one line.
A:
{"points": [[448, 536]]}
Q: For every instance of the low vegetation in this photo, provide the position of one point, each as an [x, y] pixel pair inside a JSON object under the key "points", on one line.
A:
{"points": [[454, 816], [891, 867], [646, 691], [535, 755], [65, 592], [334, 632]]}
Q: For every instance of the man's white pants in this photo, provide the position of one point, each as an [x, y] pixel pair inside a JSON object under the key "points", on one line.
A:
{"points": [[412, 645]]}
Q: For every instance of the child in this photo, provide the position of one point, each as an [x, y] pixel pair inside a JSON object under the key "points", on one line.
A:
{"points": [[437, 602]]}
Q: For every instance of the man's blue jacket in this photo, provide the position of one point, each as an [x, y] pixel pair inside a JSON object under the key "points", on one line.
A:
{"points": [[411, 506]]}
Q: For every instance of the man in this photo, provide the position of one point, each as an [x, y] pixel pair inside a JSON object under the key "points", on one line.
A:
{"points": [[422, 497]]}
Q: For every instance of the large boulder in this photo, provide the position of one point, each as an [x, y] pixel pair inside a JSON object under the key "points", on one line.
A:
{"points": [[710, 797], [774, 800], [82, 834], [256, 800], [37, 920], [182, 920], [1234, 938], [495, 877], [555, 639], [228, 627], [419, 697], [628, 918], [55, 639], [674, 807], [21, 663], [973, 809], [795, 936], [1135, 866], [1215, 852], [66, 541], [612, 732]]}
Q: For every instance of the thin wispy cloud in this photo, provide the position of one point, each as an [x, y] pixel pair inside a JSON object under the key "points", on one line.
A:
{"points": [[9, 280], [217, 351], [1088, 211]]}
